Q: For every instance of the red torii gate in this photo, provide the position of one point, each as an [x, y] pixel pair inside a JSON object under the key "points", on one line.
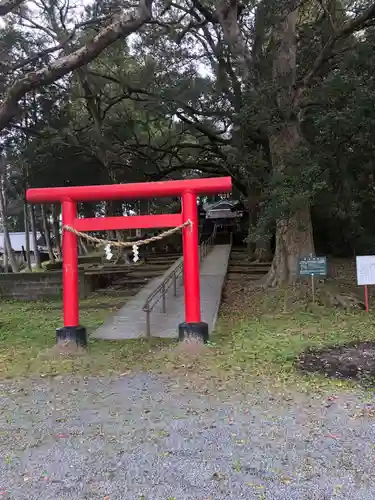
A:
{"points": [[186, 189]]}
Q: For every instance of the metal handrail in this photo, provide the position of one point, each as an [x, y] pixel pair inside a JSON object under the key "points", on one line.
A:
{"points": [[171, 279], [208, 243], [160, 292]]}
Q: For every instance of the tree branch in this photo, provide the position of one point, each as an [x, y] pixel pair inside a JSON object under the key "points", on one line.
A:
{"points": [[172, 100], [347, 29], [7, 6], [209, 15], [34, 58], [212, 136], [122, 27], [328, 14]]}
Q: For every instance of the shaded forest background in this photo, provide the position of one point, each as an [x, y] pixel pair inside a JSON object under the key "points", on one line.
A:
{"points": [[278, 94]]}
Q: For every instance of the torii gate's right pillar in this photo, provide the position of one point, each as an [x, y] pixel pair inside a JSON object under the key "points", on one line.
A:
{"points": [[192, 328]]}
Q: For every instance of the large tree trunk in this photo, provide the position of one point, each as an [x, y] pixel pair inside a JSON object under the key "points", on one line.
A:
{"points": [[263, 250], [294, 239], [294, 234], [10, 257], [8, 252], [56, 230], [5, 259], [27, 234], [35, 238], [47, 234]]}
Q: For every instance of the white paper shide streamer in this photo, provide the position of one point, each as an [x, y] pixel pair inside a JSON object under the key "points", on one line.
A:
{"points": [[135, 253], [108, 253]]}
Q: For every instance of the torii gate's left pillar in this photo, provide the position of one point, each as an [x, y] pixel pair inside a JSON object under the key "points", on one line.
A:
{"points": [[71, 330]]}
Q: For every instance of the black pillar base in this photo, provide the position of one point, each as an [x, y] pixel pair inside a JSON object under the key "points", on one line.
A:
{"points": [[193, 331], [75, 334]]}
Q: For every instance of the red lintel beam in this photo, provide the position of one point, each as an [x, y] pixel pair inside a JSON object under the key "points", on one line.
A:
{"points": [[209, 185], [131, 222]]}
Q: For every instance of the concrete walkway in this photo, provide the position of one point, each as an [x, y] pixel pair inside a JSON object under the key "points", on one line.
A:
{"points": [[130, 321]]}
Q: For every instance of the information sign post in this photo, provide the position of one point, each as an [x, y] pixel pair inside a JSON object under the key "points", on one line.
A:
{"points": [[313, 266], [365, 274]]}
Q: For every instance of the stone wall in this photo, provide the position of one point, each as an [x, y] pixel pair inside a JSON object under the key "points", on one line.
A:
{"points": [[38, 286]]}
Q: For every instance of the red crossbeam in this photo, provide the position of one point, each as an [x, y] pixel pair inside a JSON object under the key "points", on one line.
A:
{"points": [[131, 222], [130, 191]]}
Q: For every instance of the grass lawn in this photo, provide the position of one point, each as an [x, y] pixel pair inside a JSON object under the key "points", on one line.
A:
{"points": [[262, 336], [27, 332], [257, 340]]}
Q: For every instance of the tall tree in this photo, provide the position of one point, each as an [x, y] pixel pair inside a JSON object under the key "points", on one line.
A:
{"points": [[268, 56]]}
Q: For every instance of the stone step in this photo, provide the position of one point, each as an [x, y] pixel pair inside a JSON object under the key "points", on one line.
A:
{"points": [[130, 282], [244, 277], [112, 292], [159, 262], [145, 274], [247, 262], [147, 268], [163, 255], [248, 270], [106, 272], [244, 259]]}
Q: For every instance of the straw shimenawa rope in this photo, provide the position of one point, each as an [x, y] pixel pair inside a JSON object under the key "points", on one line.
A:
{"points": [[128, 244]]}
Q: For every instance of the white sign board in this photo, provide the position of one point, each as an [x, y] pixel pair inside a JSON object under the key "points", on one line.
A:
{"points": [[366, 270]]}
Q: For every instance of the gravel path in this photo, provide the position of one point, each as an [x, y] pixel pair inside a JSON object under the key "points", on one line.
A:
{"points": [[141, 437]]}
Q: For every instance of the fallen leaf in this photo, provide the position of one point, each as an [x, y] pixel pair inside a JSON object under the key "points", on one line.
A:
{"points": [[254, 485], [285, 480], [218, 476], [332, 398], [333, 436]]}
